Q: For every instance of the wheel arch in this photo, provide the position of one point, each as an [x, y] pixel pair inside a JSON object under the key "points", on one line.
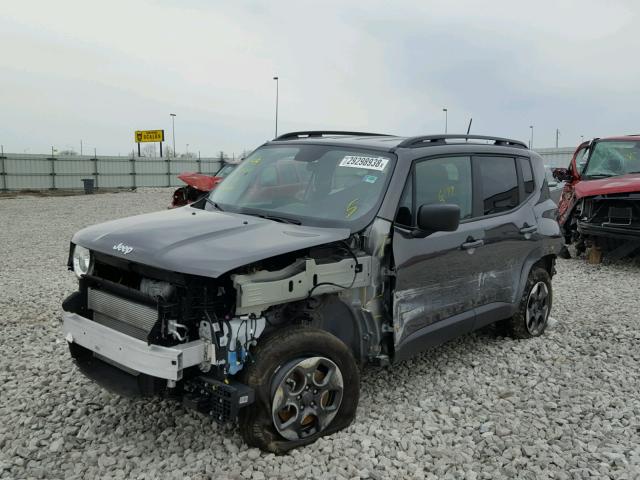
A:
{"points": [[343, 320], [546, 262]]}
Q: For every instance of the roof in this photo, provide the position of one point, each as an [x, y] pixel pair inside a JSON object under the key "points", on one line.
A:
{"points": [[629, 138], [388, 142]]}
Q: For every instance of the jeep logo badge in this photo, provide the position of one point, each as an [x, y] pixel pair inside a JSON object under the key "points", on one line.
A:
{"points": [[121, 247]]}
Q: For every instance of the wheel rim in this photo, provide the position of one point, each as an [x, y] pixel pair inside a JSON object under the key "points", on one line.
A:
{"points": [[306, 396], [537, 308]]}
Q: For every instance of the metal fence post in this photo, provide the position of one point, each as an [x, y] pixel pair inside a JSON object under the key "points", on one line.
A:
{"points": [[168, 172], [134, 183], [53, 172], [95, 169], [3, 172], [199, 163]]}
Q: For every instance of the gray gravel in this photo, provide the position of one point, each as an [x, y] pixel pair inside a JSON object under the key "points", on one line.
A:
{"points": [[564, 406]]}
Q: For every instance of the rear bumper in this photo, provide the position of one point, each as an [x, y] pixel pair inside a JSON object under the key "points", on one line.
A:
{"points": [[130, 354], [619, 232]]}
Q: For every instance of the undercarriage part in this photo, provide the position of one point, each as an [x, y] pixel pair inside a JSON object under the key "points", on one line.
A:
{"points": [[216, 398], [114, 378], [260, 290]]}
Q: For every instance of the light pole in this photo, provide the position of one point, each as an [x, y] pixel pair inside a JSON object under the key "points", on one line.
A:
{"points": [[277, 88], [557, 136], [531, 139], [173, 126], [446, 119]]}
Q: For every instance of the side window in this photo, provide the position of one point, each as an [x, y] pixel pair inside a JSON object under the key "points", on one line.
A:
{"points": [[527, 174], [581, 159], [445, 180], [499, 184]]}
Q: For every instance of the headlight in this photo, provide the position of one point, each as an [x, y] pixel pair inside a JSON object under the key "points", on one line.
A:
{"points": [[81, 261]]}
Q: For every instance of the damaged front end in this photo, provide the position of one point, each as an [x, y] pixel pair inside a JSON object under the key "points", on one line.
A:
{"points": [[611, 223], [136, 329]]}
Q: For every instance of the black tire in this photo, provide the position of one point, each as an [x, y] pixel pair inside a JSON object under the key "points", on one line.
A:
{"points": [[272, 354], [518, 326]]}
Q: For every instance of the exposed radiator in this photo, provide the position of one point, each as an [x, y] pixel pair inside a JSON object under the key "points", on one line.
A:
{"points": [[131, 318]]}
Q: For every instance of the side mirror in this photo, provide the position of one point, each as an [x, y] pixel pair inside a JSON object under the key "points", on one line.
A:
{"points": [[438, 217], [562, 174]]}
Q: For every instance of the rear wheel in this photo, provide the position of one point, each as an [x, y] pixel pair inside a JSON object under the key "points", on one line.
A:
{"points": [[307, 385], [535, 306]]}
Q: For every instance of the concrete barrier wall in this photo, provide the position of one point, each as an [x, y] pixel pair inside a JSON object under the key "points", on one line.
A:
{"points": [[39, 172], [556, 157]]}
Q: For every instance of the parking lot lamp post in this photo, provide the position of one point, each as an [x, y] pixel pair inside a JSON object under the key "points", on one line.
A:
{"points": [[277, 88], [531, 138], [173, 127], [446, 119]]}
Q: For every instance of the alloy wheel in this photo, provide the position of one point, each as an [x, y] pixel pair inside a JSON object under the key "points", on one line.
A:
{"points": [[537, 308], [306, 396]]}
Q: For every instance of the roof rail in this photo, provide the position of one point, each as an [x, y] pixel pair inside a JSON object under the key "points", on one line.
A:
{"points": [[322, 133], [434, 140]]}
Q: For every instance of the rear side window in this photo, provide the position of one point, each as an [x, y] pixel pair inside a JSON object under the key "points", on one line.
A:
{"points": [[527, 174], [499, 180]]}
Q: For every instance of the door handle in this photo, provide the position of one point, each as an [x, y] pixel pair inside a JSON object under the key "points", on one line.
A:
{"points": [[472, 244], [527, 229]]}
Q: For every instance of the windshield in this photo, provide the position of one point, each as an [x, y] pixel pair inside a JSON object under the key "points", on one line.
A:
{"points": [[308, 184], [611, 158], [226, 170]]}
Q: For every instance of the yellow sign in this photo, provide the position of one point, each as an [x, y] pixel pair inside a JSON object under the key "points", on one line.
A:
{"points": [[142, 136]]}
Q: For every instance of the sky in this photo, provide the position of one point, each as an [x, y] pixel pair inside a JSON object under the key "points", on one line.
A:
{"points": [[95, 72]]}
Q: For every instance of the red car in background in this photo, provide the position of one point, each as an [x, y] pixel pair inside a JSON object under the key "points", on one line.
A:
{"points": [[197, 185], [600, 202]]}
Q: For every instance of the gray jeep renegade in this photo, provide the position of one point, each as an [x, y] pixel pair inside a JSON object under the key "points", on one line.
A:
{"points": [[321, 253]]}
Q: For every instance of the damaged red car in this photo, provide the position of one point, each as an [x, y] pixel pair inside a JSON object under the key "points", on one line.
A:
{"points": [[197, 184], [600, 202]]}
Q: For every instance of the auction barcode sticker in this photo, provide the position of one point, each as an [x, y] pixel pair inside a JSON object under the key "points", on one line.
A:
{"points": [[372, 163]]}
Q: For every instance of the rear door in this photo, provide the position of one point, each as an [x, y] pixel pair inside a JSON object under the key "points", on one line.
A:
{"points": [[504, 187]]}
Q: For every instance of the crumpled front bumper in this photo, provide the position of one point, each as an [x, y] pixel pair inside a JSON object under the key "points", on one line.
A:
{"points": [[130, 354], [620, 232]]}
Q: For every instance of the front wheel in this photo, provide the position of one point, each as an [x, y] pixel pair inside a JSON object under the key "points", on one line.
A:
{"points": [[306, 386], [535, 306]]}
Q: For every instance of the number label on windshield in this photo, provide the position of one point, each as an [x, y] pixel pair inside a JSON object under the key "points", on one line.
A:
{"points": [[371, 163]]}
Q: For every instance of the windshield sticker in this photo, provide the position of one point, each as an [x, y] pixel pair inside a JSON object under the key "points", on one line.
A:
{"points": [[352, 207], [370, 163], [256, 161], [369, 178]]}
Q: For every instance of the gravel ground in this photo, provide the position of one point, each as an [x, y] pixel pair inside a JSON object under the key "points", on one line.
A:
{"points": [[483, 407]]}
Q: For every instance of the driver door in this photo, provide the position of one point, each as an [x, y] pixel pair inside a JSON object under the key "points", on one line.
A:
{"points": [[436, 276], [568, 197]]}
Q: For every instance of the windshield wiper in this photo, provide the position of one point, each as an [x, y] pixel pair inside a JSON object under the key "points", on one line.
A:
{"points": [[600, 175], [211, 202], [275, 218]]}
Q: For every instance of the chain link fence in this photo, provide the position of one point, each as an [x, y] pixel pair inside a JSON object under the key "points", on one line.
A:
{"points": [[40, 172]]}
